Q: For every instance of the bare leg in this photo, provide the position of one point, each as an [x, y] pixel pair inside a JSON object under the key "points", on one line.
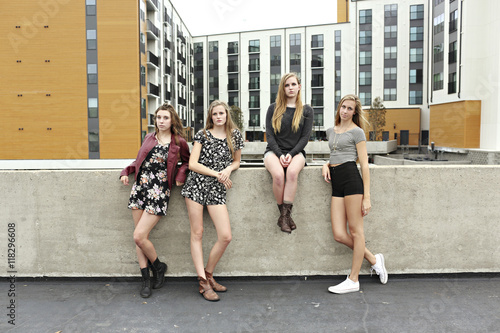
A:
{"points": [[195, 212], [220, 217], [339, 227], [355, 218], [143, 227], [273, 165], [292, 176]]}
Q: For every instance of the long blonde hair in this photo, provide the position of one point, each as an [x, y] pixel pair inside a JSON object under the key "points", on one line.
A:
{"points": [[229, 126], [280, 107], [359, 117]]}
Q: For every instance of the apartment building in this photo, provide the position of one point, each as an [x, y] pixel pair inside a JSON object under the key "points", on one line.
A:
{"points": [[82, 80]]}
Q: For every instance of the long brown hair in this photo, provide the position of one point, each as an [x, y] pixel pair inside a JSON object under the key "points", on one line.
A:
{"points": [[176, 127], [359, 116], [280, 106], [229, 126]]}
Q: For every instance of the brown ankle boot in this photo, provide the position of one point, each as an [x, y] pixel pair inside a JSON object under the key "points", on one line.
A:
{"points": [[207, 291], [288, 212], [282, 221], [215, 286]]}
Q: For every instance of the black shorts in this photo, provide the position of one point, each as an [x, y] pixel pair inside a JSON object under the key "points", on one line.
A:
{"points": [[346, 180]]}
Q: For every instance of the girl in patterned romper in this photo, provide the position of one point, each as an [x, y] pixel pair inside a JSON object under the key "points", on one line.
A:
{"points": [[156, 169], [216, 153]]}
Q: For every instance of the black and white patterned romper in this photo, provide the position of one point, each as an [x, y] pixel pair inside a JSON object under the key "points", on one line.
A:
{"points": [[215, 154], [150, 191]]}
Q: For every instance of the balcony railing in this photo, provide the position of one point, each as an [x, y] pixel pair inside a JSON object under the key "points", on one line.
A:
{"points": [[153, 89], [154, 30], [153, 59], [232, 68], [154, 2]]}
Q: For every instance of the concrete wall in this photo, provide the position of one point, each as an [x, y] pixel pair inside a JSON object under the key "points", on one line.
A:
{"points": [[425, 219]]}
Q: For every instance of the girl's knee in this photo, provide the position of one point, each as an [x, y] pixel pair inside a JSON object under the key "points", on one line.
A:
{"points": [[226, 238], [340, 238], [139, 239], [197, 234]]}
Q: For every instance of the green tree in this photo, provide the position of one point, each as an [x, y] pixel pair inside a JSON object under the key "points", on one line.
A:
{"points": [[376, 117], [237, 116]]}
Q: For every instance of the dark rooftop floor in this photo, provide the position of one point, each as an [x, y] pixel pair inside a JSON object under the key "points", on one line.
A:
{"points": [[447, 303]]}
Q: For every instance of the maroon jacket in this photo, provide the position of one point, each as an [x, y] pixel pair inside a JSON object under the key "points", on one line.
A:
{"points": [[172, 168]]}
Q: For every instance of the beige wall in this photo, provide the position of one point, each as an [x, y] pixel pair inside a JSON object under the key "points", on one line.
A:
{"points": [[425, 219]]}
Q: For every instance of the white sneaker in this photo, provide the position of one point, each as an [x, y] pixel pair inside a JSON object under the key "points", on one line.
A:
{"points": [[348, 286], [379, 268]]}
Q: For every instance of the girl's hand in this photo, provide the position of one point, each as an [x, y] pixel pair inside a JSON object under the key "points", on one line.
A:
{"points": [[366, 206], [178, 183], [325, 172], [285, 160], [228, 184], [124, 180], [224, 174]]}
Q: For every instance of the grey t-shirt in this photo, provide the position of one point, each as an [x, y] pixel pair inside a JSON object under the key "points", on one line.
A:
{"points": [[343, 145]]}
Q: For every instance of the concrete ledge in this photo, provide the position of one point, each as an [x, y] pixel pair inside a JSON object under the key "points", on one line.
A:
{"points": [[425, 219]]}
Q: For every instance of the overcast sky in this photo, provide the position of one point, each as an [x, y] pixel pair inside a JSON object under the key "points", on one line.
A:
{"points": [[207, 17]]}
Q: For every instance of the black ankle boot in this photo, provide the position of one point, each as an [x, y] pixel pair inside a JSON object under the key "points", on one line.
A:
{"points": [[159, 269], [146, 283]]}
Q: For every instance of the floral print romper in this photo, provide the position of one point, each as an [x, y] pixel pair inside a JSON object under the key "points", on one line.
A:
{"points": [[215, 154], [150, 191]]}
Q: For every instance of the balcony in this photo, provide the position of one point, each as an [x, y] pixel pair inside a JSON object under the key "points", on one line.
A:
{"points": [[232, 68], [153, 61], [153, 31], [153, 90], [166, 43], [152, 4]]}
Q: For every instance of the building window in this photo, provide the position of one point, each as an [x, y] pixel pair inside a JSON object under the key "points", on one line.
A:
{"points": [[416, 12], [365, 37], [417, 55], [213, 82], [213, 64], [337, 36], [275, 41], [232, 84], [254, 118], [254, 83], [390, 73], [294, 39], [93, 141], [452, 83], [390, 52], [390, 94], [391, 10], [365, 78], [143, 76], [232, 65], [337, 56], [254, 46], [318, 117], [317, 99], [254, 102], [366, 98], [232, 47], [276, 60], [365, 57], [317, 60], [213, 46], [365, 16], [317, 80], [452, 54], [438, 81], [93, 108], [294, 59], [390, 31], [143, 108], [198, 48], [317, 41], [233, 100], [275, 79], [415, 97], [453, 20], [438, 52], [439, 24], [338, 97], [90, 7], [92, 73], [198, 65], [337, 76], [91, 40], [416, 33], [254, 65], [416, 76]]}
